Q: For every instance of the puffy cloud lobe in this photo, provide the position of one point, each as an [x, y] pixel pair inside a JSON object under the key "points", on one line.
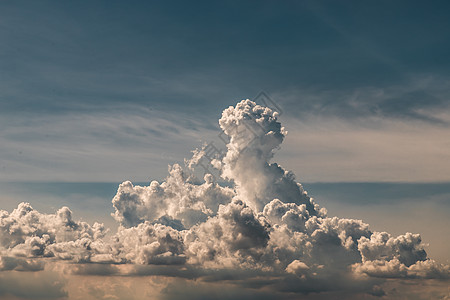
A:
{"points": [[265, 223], [408, 248], [174, 199], [397, 257], [234, 237], [427, 269], [297, 267], [149, 244], [294, 216], [28, 233]]}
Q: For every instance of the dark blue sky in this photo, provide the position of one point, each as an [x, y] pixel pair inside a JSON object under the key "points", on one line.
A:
{"points": [[199, 56]]}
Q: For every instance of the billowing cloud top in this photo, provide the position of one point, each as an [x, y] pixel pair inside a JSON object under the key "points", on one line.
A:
{"points": [[262, 225]]}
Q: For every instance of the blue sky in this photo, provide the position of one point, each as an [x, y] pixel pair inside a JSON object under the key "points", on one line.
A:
{"points": [[70, 69], [85, 55], [93, 93]]}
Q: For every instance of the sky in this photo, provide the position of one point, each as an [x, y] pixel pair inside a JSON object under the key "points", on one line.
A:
{"points": [[95, 93]]}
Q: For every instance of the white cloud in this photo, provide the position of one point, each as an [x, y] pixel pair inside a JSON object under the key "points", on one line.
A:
{"points": [[263, 231], [27, 233]]}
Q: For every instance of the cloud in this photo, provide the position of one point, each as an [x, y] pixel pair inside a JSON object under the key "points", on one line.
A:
{"points": [[175, 199], [88, 143], [27, 233], [35, 285], [422, 97], [8, 263], [261, 232], [254, 134], [427, 269], [376, 149]]}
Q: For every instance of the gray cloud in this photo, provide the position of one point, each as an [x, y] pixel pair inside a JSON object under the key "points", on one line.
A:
{"points": [[263, 232], [23, 285]]}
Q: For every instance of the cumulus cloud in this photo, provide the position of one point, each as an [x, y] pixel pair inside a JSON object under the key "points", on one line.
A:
{"points": [[254, 134], [260, 230], [27, 233], [177, 202]]}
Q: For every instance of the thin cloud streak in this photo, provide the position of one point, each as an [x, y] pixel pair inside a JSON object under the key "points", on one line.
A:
{"points": [[95, 147], [396, 151]]}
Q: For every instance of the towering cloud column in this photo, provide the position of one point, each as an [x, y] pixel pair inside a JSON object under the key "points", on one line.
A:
{"points": [[254, 134]]}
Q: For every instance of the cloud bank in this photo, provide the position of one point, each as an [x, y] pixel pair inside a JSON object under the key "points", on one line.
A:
{"points": [[259, 231]]}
